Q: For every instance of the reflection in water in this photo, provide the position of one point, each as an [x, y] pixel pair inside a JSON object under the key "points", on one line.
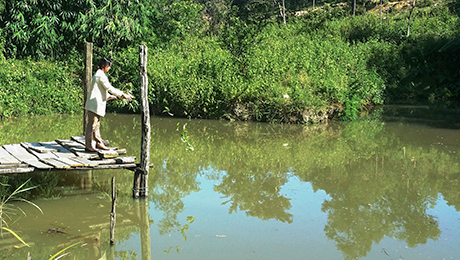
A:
{"points": [[258, 196], [143, 213], [380, 182]]}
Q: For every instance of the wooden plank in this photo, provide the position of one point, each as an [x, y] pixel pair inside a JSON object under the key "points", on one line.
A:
{"points": [[7, 158], [12, 170], [85, 161], [51, 145], [69, 143], [39, 165], [37, 147], [24, 156], [107, 154], [77, 148], [72, 163], [118, 160], [81, 140], [19, 152], [81, 152], [116, 166], [56, 163], [121, 151], [61, 151], [39, 155], [13, 165]]}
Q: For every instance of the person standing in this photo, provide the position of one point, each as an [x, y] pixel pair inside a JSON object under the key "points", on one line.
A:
{"points": [[99, 93]]}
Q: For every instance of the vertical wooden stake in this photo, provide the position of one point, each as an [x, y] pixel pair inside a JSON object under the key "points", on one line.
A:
{"points": [[137, 183], [113, 215], [88, 76], [145, 145], [140, 187]]}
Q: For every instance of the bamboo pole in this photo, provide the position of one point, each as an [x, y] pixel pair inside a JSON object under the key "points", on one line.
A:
{"points": [[140, 187], [113, 215], [88, 76]]}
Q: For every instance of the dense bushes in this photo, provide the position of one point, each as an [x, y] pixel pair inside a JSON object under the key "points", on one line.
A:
{"points": [[194, 77], [37, 88], [415, 68], [284, 76]]}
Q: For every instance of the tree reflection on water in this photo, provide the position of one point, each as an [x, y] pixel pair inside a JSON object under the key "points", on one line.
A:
{"points": [[378, 185]]}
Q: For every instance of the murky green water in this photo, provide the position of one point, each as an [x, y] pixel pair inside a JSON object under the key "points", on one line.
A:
{"points": [[371, 189]]}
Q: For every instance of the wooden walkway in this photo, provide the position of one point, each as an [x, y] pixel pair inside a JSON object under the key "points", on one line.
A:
{"points": [[60, 155]]}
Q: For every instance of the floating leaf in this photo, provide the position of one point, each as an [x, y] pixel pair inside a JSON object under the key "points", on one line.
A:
{"points": [[167, 251], [190, 219]]}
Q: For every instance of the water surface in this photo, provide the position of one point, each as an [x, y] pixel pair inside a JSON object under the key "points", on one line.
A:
{"points": [[372, 189]]}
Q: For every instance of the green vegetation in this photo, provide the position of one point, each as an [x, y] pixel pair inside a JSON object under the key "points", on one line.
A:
{"points": [[38, 88], [237, 60]]}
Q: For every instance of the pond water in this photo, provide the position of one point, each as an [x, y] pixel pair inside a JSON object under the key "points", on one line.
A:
{"points": [[377, 188]]}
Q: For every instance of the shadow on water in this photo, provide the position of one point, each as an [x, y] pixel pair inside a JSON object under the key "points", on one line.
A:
{"points": [[371, 189], [429, 115]]}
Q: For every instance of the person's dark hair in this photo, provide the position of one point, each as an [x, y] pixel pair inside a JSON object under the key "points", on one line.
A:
{"points": [[104, 62]]}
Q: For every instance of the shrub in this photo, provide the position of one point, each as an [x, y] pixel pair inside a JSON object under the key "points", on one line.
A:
{"points": [[284, 76], [316, 72], [194, 77], [28, 87]]}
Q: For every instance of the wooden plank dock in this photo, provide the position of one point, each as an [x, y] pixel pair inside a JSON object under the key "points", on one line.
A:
{"points": [[60, 155]]}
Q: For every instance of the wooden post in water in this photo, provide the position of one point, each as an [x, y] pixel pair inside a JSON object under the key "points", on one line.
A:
{"points": [[88, 76], [141, 174], [113, 215]]}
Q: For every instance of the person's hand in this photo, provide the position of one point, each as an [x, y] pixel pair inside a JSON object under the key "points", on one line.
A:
{"points": [[127, 97]]}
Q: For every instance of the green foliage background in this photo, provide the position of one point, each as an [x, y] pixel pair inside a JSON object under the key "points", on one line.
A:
{"points": [[38, 88], [243, 63]]}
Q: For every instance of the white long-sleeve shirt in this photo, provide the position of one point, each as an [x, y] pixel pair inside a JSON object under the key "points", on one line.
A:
{"points": [[99, 93]]}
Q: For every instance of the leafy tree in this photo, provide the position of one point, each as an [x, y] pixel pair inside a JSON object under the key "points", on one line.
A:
{"points": [[39, 27], [45, 28], [112, 23], [217, 13], [182, 19]]}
